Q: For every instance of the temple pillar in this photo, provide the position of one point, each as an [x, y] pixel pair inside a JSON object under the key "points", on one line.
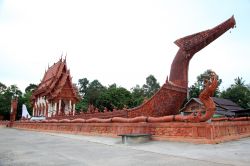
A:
{"points": [[70, 107], [46, 110], [55, 106], [43, 109], [59, 109], [39, 110], [74, 106], [49, 110], [34, 114]]}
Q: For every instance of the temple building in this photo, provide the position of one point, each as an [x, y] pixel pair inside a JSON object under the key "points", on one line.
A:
{"points": [[55, 95]]}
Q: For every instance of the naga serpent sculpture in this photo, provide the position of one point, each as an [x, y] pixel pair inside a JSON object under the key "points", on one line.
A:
{"points": [[205, 98]]}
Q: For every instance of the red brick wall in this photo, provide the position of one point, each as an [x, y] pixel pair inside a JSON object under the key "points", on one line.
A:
{"points": [[214, 132], [4, 123]]}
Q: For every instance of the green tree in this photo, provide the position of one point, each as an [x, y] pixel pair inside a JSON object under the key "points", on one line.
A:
{"points": [[2, 88], [114, 97], [30, 88], [89, 92], [137, 96], [151, 86], [4, 103], [83, 86], [82, 105], [93, 91], [238, 93], [6, 95], [195, 90], [248, 86], [14, 91], [239, 81]]}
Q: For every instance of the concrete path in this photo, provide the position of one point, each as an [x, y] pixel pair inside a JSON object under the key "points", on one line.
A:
{"points": [[26, 148]]}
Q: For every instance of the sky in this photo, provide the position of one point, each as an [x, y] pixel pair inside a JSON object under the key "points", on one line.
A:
{"points": [[117, 41]]}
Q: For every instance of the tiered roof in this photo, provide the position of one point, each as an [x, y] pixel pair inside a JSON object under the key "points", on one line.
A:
{"points": [[57, 83]]}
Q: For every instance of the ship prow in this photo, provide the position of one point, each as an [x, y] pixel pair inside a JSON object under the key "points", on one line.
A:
{"points": [[170, 97], [195, 42]]}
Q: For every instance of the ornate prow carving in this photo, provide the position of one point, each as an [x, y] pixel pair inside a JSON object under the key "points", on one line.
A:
{"points": [[196, 42], [189, 45]]}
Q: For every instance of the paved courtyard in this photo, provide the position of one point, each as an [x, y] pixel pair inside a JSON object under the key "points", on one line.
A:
{"points": [[26, 148]]}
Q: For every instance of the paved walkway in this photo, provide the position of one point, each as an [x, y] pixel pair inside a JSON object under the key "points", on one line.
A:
{"points": [[26, 148]]}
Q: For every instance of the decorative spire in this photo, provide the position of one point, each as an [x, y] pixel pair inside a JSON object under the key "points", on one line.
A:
{"points": [[61, 56], [167, 79], [65, 57]]}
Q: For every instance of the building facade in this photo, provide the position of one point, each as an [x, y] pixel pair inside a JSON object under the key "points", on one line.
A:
{"points": [[55, 95]]}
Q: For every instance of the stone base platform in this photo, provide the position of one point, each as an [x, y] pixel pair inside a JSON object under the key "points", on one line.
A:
{"points": [[208, 133]]}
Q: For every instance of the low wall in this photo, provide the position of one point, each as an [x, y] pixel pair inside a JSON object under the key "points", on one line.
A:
{"points": [[4, 123], [214, 132]]}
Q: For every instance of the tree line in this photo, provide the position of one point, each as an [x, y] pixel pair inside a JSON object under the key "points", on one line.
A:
{"points": [[117, 97], [113, 96]]}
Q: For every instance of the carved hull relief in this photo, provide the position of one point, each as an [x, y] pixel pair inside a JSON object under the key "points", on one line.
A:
{"points": [[166, 101]]}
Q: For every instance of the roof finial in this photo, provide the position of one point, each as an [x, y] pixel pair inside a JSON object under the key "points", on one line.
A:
{"points": [[61, 56], [65, 57]]}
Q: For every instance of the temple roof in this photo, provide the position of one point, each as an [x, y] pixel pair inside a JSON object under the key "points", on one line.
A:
{"points": [[54, 81]]}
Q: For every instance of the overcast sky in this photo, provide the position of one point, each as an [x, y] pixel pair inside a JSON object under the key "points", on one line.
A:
{"points": [[119, 41]]}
